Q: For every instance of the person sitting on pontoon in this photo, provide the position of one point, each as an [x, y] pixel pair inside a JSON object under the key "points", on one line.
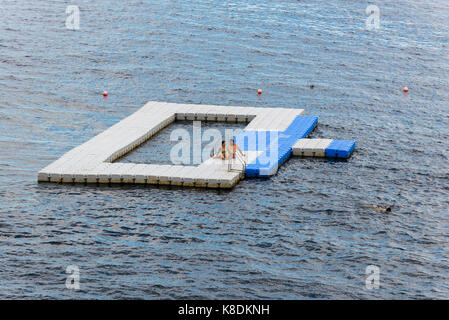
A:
{"points": [[222, 153], [233, 148]]}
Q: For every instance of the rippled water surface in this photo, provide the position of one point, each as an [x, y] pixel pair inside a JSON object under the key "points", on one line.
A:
{"points": [[307, 232]]}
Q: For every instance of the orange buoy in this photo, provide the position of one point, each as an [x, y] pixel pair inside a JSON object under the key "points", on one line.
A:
{"points": [[105, 93], [405, 89], [259, 91]]}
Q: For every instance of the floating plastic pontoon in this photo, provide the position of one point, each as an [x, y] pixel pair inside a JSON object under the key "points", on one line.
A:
{"points": [[269, 139]]}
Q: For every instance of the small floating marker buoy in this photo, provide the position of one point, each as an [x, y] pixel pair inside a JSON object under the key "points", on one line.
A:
{"points": [[405, 89], [105, 93], [259, 91], [312, 86]]}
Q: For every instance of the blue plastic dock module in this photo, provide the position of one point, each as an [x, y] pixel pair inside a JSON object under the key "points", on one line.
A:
{"points": [[276, 146], [301, 126], [340, 149], [255, 140]]}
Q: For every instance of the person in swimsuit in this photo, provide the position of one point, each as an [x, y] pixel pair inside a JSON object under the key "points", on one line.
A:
{"points": [[222, 153], [233, 148]]}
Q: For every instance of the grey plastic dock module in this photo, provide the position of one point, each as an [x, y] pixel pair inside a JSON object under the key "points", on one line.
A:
{"points": [[92, 162]]}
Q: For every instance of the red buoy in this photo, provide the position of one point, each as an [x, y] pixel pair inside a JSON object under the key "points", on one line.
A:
{"points": [[405, 89], [105, 93], [259, 91]]}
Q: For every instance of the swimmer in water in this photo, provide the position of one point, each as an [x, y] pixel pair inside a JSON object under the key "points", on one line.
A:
{"points": [[380, 208]]}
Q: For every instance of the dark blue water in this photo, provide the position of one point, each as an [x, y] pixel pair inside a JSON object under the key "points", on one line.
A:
{"points": [[308, 232]]}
